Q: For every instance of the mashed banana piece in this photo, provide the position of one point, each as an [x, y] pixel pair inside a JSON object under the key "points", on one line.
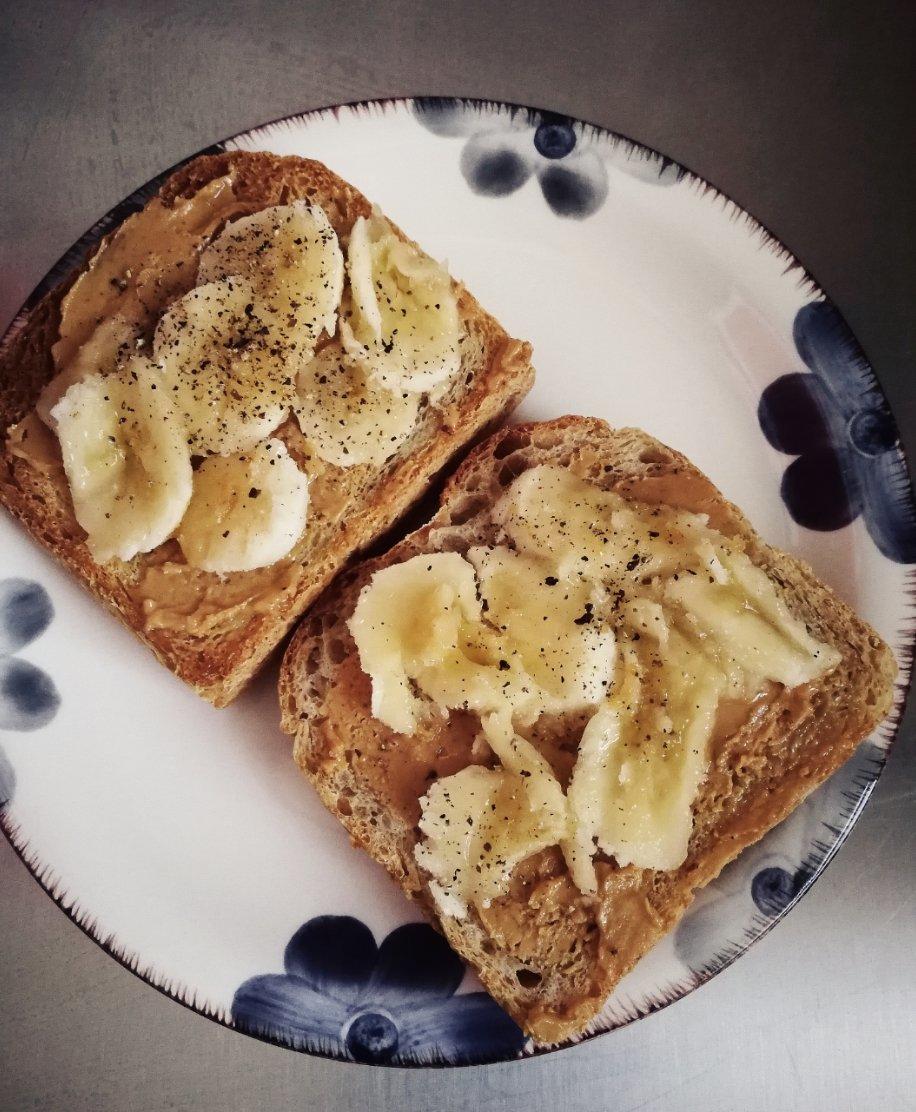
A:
{"points": [[403, 323]]}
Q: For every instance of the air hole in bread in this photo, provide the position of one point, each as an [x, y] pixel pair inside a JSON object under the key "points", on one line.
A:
{"points": [[466, 509], [513, 466], [653, 455], [514, 440], [452, 542], [343, 805], [528, 978], [337, 650]]}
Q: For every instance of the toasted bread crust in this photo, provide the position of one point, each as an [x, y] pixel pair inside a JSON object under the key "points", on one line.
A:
{"points": [[495, 374], [575, 947]]}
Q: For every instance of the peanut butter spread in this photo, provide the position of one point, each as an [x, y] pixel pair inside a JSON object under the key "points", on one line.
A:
{"points": [[398, 767], [144, 265], [175, 596], [33, 442]]}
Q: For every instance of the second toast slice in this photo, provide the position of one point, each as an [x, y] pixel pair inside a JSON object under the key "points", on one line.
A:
{"points": [[547, 951]]}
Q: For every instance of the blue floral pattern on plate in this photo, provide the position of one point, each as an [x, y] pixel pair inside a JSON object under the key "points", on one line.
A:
{"points": [[836, 422], [28, 697], [342, 994], [503, 150]]}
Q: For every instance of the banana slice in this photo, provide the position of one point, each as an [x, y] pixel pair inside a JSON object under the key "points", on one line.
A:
{"points": [[108, 348], [246, 512], [230, 383], [403, 323], [477, 825], [590, 789], [747, 626], [553, 514], [536, 650], [638, 773], [349, 419], [125, 458], [551, 630], [408, 621], [292, 256]]}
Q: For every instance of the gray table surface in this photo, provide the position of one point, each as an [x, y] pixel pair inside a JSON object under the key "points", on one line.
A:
{"points": [[800, 111]]}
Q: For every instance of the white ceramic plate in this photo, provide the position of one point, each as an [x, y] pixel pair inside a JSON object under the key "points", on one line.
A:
{"points": [[183, 839]]}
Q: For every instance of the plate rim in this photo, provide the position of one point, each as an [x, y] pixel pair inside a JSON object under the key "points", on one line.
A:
{"points": [[43, 874]]}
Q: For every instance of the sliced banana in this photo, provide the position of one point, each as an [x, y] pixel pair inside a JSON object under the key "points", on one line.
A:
{"points": [[230, 382], [347, 417], [291, 255], [109, 347], [408, 621], [640, 767], [748, 628], [530, 647], [453, 820], [551, 630], [402, 322], [125, 458], [553, 514], [591, 789], [477, 825], [247, 511]]}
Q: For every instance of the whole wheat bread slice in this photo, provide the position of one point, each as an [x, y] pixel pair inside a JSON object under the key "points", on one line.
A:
{"points": [[349, 508], [547, 953]]}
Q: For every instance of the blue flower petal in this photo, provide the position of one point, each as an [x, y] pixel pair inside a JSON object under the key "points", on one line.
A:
{"points": [[888, 509], [793, 413], [334, 955], [821, 489], [697, 934], [415, 966], [464, 1029], [28, 697], [575, 187], [7, 779], [827, 346], [286, 1008], [25, 611], [497, 163], [446, 116]]}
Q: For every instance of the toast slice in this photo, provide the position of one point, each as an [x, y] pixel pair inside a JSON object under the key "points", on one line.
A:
{"points": [[550, 955], [214, 631]]}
